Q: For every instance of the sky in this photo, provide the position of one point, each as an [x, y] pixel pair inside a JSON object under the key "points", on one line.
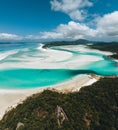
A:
{"points": [[43, 20]]}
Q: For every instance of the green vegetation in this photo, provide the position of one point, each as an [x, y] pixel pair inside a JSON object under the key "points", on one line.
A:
{"points": [[104, 46], [62, 43], [115, 56], [92, 108], [112, 47]]}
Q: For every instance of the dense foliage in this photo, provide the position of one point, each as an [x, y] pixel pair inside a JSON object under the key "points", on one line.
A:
{"points": [[115, 56], [112, 47], [92, 108], [104, 46], [62, 43]]}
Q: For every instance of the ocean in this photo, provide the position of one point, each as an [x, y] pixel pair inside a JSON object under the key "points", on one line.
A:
{"points": [[28, 65]]}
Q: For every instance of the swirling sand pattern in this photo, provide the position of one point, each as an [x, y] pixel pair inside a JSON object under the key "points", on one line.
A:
{"points": [[32, 66]]}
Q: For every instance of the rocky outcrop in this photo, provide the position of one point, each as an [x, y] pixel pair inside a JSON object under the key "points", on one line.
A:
{"points": [[19, 125]]}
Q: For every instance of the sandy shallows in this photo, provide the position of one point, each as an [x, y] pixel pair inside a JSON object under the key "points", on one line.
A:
{"points": [[11, 98]]}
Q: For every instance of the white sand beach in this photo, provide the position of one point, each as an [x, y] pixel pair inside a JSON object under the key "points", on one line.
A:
{"points": [[49, 58], [11, 98]]}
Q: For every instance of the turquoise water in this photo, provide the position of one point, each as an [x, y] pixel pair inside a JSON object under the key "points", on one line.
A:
{"points": [[32, 78], [15, 77], [28, 78], [104, 67]]}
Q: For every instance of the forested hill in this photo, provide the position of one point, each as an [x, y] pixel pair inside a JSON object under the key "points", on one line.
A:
{"points": [[104, 46], [92, 108], [112, 47], [62, 43]]}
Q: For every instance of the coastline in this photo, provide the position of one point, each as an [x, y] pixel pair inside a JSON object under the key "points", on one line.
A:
{"points": [[11, 98]]}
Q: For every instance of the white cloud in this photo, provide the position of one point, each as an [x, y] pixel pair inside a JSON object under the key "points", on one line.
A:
{"points": [[32, 37], [72, 30], [74, 8], [7, 36], [14, 37], [106, 29], [108, 25]]}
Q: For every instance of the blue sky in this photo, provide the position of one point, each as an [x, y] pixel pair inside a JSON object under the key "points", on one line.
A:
{"points": [[58, 19], [28, 16]]}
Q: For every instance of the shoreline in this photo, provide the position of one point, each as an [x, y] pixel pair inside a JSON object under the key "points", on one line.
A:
{"points": [[11, 98]]}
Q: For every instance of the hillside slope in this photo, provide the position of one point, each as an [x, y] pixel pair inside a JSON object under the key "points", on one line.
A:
{"points": [[92, 108]]}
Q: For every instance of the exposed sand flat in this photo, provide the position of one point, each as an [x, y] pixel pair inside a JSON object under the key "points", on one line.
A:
{"points": [[49, 58], [11, 98], [84, 48]]}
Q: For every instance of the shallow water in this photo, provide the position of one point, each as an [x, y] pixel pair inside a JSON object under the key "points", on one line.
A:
{"points": [[30, 66], [28, 78]]}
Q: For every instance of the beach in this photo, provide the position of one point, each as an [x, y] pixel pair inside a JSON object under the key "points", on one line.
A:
{"points": [[11, 98], [71, 58], [50, 58]]}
